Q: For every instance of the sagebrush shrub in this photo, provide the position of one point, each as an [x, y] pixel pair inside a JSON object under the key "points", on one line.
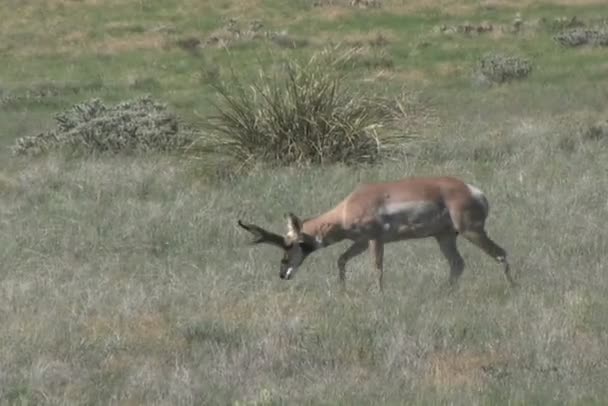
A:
{"points": [[499, 68], [301, 113], [597, 132], [93, 127], [576, 37]]}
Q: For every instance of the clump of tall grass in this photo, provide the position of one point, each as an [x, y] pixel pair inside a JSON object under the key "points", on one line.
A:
{"points": [[301, 112], [94, 127]]}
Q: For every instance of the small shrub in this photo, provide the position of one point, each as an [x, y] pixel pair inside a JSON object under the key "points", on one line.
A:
{"points": [[379, 40], [465, 28], [144, 83], [304, 113], [561, 23], [576, 37], [498, 68], [92, 127], [366, 3], [597, 132], [190, 44], [580, 129], [233, 34]]}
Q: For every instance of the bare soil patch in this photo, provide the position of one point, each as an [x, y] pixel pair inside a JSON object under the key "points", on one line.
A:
{"points": [[449, 369]]}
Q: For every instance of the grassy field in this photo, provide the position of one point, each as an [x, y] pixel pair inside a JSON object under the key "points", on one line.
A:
{"points": [[125, 280]]}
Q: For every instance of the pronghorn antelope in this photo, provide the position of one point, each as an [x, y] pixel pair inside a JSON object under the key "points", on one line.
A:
{"points": [[379, 213]]}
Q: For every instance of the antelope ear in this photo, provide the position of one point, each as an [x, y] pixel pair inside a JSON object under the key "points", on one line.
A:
{"points": [[294, 226]]}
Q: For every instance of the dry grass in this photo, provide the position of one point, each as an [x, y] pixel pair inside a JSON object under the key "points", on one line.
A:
{"points": [[123, 281], [376, 38], [79, 42], [147, 330], [75, 37], [450, 7], [448, 69], [520, 4], [79, 3], [453, 7], [131, 43], [127, 281], [332, 13], [413, 77], [7, 183]]}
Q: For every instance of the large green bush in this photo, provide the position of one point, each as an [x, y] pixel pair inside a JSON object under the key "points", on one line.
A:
{"points": [[300, 113]]}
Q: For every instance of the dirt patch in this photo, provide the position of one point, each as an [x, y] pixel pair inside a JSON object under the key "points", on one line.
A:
{"points": [[145, 330], [74, 37], [333, 13], [248, 310], [447, 369], [8, 183], [448, 69]]}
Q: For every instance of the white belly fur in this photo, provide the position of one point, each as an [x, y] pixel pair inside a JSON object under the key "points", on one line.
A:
{"points": [[412, 219]]}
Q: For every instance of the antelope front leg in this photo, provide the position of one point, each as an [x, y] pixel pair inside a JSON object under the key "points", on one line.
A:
{"points": [[377, 249], [447, 245], [357, 248]]}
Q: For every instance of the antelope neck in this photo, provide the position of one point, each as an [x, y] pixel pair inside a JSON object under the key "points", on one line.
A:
{"points": [[325, 229]]}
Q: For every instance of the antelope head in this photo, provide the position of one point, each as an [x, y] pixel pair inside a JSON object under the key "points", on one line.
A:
{"points": [[296, 245]]}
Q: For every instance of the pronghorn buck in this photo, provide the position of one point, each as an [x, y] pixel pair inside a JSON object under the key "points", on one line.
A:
{"points": [[378, 213]]}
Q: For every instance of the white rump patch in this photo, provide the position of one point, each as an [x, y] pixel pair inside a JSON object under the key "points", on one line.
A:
{"points": [[480, 197], [474, 191]]}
